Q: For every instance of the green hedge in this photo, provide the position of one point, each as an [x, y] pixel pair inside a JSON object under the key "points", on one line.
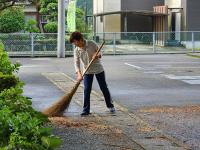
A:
{"points": [[21, 127], [1, 46], [7, 81], [6, 66]]}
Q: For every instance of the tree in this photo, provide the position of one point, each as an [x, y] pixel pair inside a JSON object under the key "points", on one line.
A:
{"points": [[49, 8], [51, 27], [80, 24], [9, 3], [11, 20], [31, 26]]}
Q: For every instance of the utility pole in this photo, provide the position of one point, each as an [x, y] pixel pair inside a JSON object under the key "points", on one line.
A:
{"points": [[61, 29]]}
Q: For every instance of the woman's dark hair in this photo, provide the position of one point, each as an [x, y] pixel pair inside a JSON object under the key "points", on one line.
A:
{"points": [[75, 36]]}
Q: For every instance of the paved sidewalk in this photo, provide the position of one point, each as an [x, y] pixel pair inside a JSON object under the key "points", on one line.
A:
{"points": [[102, 130]]}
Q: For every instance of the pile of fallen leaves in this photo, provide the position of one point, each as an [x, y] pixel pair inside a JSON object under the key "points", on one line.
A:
{"points": [[94, 125]]}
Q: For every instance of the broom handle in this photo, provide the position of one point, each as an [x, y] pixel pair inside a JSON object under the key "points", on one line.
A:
{"points": [[97, 52]]}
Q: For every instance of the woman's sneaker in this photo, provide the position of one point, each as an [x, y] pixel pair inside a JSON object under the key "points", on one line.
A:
{"points": [[112, 109], [85, 113]]}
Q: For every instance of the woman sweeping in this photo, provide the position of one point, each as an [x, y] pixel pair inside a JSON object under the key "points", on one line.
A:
{"points": [[84, 52]]}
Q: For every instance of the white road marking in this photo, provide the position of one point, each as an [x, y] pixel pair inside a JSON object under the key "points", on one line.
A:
{"points": [[174, 77], [192, 81], [167, 62], [153, 72], [163, 66], [187, 79], [181, 67], [134, 66]]}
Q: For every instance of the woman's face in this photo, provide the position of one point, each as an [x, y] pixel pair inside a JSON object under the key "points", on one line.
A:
{"points": [[79, 43]]}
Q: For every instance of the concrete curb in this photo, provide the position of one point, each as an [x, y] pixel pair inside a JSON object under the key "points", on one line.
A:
{"points": [[196, 55]]}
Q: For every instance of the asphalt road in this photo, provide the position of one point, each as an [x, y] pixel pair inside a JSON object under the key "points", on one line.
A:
{"points": [[135, 80], [148, 85]]}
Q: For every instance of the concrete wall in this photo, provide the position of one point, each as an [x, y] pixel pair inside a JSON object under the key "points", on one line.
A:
{"points": [[112, 23], [184, 15], [115, 23], [140, 4], [108, 23], [193, 11], [112, 5], [173, 3], [98, 8]]}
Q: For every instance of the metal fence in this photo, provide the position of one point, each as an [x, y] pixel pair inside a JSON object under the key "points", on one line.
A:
{"points": [[45, 44]]}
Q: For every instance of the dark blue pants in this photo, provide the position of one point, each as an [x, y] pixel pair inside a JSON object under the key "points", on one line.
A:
{"points": [[88, 80]]}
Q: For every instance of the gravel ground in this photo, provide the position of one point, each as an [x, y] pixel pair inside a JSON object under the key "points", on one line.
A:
{"points": [[89, 133], [182, 123]]}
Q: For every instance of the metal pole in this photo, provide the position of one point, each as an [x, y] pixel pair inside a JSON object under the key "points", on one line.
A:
{"points": [[61, 29], [154, 36], [193, 42], [114, 43], [32, 45]]}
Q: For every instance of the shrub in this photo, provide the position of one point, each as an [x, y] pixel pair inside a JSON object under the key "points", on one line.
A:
{"points": [[21, 127], [11, 20], [7, 81], [6, 67], [51, 27], [31, 26], [1, 46]]}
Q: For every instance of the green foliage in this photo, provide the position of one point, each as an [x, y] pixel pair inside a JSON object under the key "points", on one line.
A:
{"points": [[86, 8], [1, 46], [43, 11], [49, 8], [51, 27], [13, 99], [23, 131], [51, 142], [44, 3], [85, 5], [21, 127], [31, 26], [80, 24], [7, 81], [52, 7], [11, 20], [9, 3], [6, 67]]}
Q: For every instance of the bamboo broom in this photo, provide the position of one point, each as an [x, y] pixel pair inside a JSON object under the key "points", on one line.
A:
{"points": [[59, 106]]}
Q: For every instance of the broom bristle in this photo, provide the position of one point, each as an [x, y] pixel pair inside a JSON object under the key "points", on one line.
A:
{"points": [[59, 106]]}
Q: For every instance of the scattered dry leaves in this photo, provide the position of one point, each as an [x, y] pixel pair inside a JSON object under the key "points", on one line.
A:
{"points": [[172, 109], [145, 129]]}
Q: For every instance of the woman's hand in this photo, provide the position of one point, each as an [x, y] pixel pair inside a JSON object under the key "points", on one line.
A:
{"points": [[79, 76], [96, 56]]}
